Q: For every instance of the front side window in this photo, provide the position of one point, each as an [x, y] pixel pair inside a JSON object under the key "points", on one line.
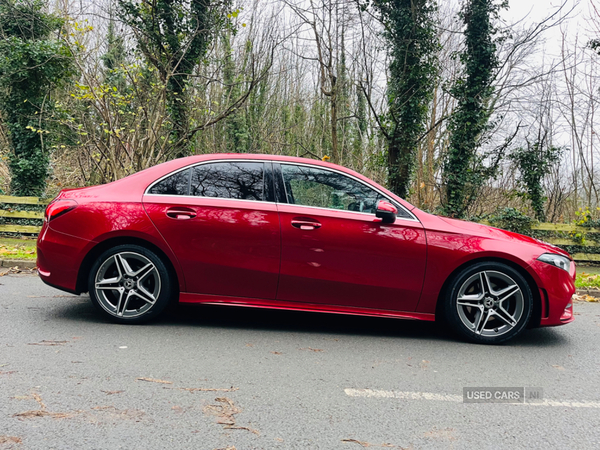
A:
{"points": [[235, 180], [322, 188]]}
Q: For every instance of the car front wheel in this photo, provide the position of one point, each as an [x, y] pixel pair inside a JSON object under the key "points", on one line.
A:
{"points": [[488, 303], [130, 284]]}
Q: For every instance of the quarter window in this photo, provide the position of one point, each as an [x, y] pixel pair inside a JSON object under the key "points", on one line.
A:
{"points": [[176, 184]]}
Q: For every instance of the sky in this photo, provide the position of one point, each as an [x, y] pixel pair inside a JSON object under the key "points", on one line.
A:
{"points": [[577, 27]]}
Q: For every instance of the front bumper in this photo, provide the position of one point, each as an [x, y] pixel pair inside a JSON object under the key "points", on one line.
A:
{"points": [[556, 289]]}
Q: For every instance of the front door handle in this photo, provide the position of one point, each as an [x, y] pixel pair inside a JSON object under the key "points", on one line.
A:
{"points": [[181, 213], [305, 224]]}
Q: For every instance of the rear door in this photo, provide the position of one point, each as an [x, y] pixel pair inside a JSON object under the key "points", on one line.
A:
{"points": [[220, 221]]}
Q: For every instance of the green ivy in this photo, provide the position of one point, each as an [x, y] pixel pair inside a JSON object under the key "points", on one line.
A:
{"points": [[463, 171], [534, 162], [236, 127], [32, 63], [174, 35], [410, 29]]}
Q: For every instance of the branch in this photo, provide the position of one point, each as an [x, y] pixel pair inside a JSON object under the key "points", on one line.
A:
{"points": [[368, 97]]}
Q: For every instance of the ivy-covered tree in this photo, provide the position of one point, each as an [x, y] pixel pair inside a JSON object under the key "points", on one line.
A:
{"points": [[534, 162], [410, 30], [33, 61], [174, 35], [359, 131], [235, 124], [114, 57], [463, 172]]}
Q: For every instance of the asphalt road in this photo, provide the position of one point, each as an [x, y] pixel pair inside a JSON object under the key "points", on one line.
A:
{"points": [[225, 378]]}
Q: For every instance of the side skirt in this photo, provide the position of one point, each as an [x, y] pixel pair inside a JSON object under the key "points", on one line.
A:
{"points": [[185, 297]]}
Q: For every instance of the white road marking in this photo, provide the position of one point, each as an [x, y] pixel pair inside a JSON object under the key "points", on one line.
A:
{"points": [[407, 395]]}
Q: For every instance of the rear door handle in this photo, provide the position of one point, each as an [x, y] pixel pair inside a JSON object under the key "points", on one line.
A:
{"points": [[305, 224], [181, 213]]}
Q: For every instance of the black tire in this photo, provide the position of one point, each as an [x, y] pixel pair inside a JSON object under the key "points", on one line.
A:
{"points": [[489, 314], [130, 284]]}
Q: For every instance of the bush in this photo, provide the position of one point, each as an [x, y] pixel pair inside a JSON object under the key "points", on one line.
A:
{"points": [[512, 219]]}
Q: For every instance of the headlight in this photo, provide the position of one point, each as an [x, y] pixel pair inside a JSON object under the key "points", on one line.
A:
{"points": [[556, 260]]}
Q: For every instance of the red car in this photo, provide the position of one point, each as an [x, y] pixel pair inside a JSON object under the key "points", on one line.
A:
{"points": [[291, 233]]}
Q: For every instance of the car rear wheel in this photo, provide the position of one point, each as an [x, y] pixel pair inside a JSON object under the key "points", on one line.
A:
{"points": [[130, 284], [488, 303]]}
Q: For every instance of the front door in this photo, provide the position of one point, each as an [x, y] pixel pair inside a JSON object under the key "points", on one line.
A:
{"points": [[336, 252]]}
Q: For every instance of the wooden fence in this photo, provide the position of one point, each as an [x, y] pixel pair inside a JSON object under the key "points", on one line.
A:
{"points": [[24, 229], [39, 215], [567, 228]]}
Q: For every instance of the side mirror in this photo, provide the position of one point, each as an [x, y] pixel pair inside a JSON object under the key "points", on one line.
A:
{"points": [[386, 211]]}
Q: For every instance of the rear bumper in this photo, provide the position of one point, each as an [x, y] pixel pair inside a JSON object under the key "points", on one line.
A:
{"points": [[59, 257], [557, 288]]}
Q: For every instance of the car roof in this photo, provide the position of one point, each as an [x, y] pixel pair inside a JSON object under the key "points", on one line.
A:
{"points": [[148, 176]]}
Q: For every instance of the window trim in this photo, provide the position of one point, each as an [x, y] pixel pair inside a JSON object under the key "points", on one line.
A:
{"points": [[277, 175], [191, 167], [385, 196]]}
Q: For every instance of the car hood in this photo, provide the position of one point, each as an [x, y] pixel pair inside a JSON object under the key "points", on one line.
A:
{"points": [[477, 229]]}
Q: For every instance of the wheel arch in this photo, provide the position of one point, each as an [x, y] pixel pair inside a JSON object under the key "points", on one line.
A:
{"points": [[536, 314], [101, 247]]}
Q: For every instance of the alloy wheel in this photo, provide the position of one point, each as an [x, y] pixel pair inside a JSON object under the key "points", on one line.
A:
{"points": [[490, 303], [127, 284]]}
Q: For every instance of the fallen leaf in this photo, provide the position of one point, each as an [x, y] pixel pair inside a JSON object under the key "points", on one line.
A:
{"points": [[231, 389], [38, 399], [585, 298], [49, 343], [444, 434], [112, 392], [9, 440], [277, 353], [153, 380], [225, 412], [313, 349], [114, 413], [367, 444], [43, 413], [558, 367]]}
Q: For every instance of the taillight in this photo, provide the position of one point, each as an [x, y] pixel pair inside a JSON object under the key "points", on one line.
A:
{"points": [[59, 207]]}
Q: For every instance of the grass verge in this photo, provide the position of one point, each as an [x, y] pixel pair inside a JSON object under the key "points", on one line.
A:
{"points": [[23, 249], [586, 280]]}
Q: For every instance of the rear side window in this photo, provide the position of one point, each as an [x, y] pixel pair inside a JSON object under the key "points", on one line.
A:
{"points": [[235, 180], [176, 184]]}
